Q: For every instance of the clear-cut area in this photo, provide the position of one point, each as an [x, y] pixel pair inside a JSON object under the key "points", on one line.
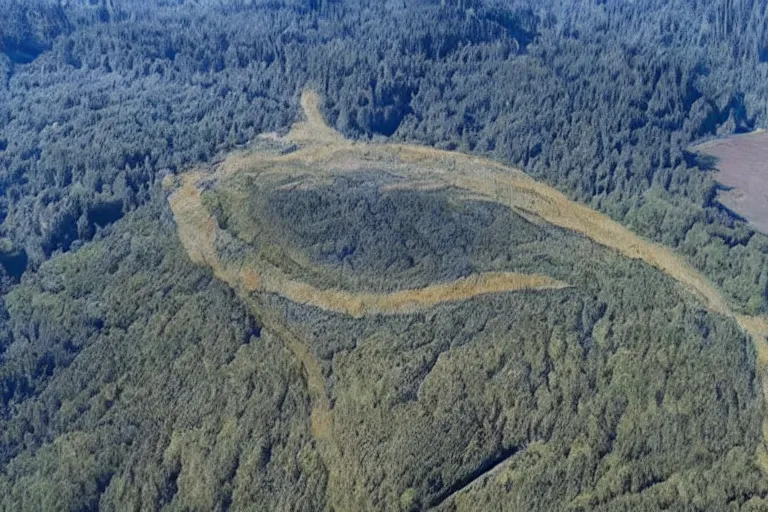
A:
{"points": [[742, 169]]}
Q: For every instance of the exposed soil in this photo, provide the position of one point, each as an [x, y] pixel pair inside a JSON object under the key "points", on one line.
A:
{"points": [[742, 163]]}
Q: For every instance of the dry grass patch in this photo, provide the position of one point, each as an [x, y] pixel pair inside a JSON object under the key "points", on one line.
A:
{"points": [[198, 231]]}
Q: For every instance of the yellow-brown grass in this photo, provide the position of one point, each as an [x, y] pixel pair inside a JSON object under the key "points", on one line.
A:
{"points": [[313, 129], [423, 186], [198, 231], [358, 304], [323, 152]]}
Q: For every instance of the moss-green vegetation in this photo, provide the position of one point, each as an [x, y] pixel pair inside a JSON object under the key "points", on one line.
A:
{"points": [[133, 380], [356, 235], [630, 390], [619, 382]]}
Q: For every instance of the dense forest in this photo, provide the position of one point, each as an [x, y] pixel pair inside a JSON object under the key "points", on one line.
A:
{"points": [[600, 99], [130, 377]]}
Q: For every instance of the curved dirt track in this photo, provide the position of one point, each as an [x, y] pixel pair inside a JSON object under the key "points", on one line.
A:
{"points": [[198, 231], [323, 152]]}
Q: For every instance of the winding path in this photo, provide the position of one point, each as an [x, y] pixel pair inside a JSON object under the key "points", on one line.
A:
{"points": [[323, 152]]}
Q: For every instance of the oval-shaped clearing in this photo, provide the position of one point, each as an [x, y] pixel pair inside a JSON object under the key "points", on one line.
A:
{"points": [[327, 152], [198, 231]]}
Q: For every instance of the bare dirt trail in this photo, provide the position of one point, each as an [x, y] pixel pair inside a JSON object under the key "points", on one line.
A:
{"points": [[324, 149], [323, 152], [321, 418], [198, 231]]}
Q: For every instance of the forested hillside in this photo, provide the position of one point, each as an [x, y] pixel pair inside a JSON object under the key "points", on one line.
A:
{"points": [[131, 377], [600, 99], [128, 317]]}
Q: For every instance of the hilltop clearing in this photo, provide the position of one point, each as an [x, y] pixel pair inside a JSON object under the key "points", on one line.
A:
{"points": [[304, 227], [199, 231], [326, 153]]}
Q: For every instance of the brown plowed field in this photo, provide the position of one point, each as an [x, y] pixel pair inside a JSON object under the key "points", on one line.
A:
{"points": [[742, 164]]}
